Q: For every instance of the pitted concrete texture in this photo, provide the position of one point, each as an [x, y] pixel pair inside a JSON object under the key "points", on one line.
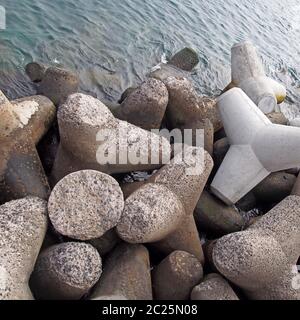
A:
{"points": [[175, 277], [186, 175], [36, 114], [23, 225], [185, 238], [66, 271], [186, 59], [85, 204], [57, 84], [145, 107], [276, 187], [186, 107], [213, 287], [92, 138], [35, 71], [261, 260], [23, 123], [126, 275], [213, 216], [150, 214]]}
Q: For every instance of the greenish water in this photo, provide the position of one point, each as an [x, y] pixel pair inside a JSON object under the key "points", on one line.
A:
{"points": [[113, 44]]}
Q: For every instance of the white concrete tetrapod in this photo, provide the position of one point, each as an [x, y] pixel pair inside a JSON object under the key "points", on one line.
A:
{"points": [[23, 225], [92, 138], [248, 74], [257, 147], [262, 259]]}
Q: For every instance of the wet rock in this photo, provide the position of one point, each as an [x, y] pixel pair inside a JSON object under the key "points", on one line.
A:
{"points": [[35, 71], [214, 216], [185, 106], [186, 59], [126, 274], [274, 188], [164, 71], [92, 138], [145, 107], [213, 287], [23, 225], [175, 277], [127, 93], [262, 259], [66, 271], [57, 84], [85, 205]]}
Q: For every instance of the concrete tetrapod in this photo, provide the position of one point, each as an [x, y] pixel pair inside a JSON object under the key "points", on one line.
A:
{"points": [[185, 59], [186, 109], [145, 106], [262, 259], [92, 138], [57, 84], [66, 271], [213, 287], [248, 74], [258, 147], [85, 204], [156, 209], [296, 189], [23, 123], [176, 276], [126, 275], [23, 225]]}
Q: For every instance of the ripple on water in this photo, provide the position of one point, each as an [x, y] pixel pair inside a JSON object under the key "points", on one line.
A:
{"points": [[114, 44]]}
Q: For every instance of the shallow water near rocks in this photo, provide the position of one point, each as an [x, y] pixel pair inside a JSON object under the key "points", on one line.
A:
{"points": [[113, 44]]}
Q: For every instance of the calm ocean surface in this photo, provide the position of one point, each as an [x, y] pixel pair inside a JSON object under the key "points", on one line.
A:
{"points": [[113, 44]]}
